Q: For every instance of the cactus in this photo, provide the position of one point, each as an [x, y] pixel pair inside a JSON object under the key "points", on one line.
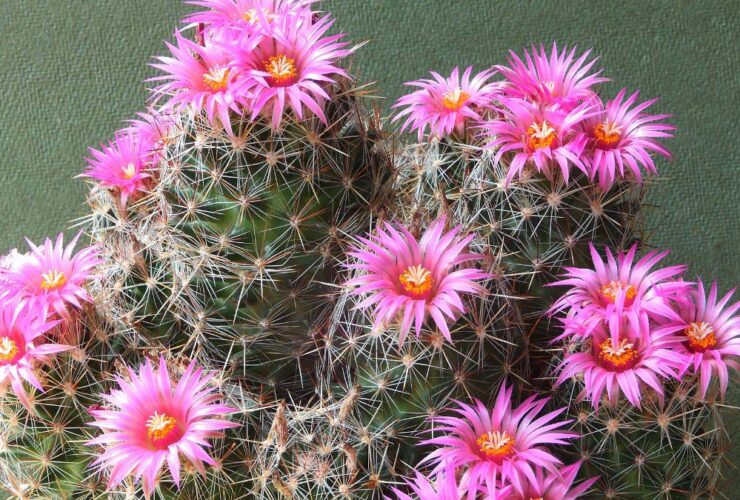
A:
{"points": [[228, 256], [288, 302]]}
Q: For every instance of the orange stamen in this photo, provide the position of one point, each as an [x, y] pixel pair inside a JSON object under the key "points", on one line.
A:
{"points": [[8, 349], [282, 69], [160, 427], [496, 444], [701, 336], [607, 134], [453, 100], [129, 171], [611, 291], [540, 135], [618, 357], [217, 78], [416, 280], [53, 280]]}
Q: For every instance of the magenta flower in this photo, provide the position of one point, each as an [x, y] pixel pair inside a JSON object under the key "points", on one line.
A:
{"points": [[445, 104], [555, 80], [623, 361], [615, 288], [621, 139], [155, 421], [199, 78], [289, 68], [550, 486], [708, 332], [548, 138], [442, 487], [52, 276], [500, 446], [123, 165], [155, 130], [237, 18], [412, 280], [23, 345]]}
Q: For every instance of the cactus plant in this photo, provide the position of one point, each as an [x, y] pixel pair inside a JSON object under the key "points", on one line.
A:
{"points": [[289, 302]]}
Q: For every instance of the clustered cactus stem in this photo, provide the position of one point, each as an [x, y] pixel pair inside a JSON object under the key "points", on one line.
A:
{"points": [[284, 299]]}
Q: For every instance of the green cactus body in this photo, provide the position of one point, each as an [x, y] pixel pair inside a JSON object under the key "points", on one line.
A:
{"points": [[670, 449], [230, 256]]}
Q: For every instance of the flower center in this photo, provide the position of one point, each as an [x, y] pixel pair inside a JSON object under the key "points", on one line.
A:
{"points": [[416, 280], [620, 357], [129, 171], [217, 78], [8, 350], [701, 336], [540, 135], [495, 444], [161, 429], [607, 134], [613, 289], [250, 16], [53, 280], [282, 69], [453, 100]]}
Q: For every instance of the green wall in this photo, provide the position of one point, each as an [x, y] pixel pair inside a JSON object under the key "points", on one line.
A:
{"points": [[72, 70]]}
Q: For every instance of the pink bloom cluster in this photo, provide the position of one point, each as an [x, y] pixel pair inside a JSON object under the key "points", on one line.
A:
{"points": [[153, 420], [408, 280], [37, 292], [499, 453], [630, 326], [550, 116], [545, 114], [259, 56]]}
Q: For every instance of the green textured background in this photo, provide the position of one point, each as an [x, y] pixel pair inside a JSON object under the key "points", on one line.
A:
{"points": [[72, 71]]}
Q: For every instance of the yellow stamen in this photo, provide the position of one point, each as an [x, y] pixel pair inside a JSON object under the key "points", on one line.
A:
{"points": [[416, 280], [217, 78], [540, 135], [611, 291], [281, 68], [607, 134], [251, 16], [496, 444], [53, 280], [617, 357], [701, 336], [160, 426], [8, 349], [455, 99], [129, 171]]}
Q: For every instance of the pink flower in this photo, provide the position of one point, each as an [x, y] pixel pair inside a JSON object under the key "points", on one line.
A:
{"points": [[615, 288], [52, 276], [413, 280], [503, 444], [156, 421], [227, 19], [289, 68], [555, 80], [124, 164], [442, 487], [445, 104], [708, 331], [548, 138], [550, 486], [23, 346], [155, 130], [199, 78], [622, 139], [623, 359]]}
